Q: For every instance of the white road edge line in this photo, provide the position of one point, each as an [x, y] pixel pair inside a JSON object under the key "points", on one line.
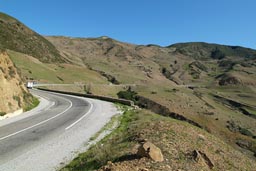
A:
{"points": [[53, 103], [89, 111], [40, 123]]}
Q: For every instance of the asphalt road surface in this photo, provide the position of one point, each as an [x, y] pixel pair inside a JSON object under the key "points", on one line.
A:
{"points": [[49, 136]]}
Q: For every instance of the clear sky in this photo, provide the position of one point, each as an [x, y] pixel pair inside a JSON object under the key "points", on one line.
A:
{"points": [[162, 22]]}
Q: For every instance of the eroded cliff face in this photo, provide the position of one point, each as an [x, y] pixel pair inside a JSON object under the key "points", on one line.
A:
{"points": [[13, 91]]}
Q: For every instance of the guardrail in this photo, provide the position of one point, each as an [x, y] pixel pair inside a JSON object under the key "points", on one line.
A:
{"points": [[104, 98]]}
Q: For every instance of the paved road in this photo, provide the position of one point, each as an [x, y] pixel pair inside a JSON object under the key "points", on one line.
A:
{"points": [[44, 138]]}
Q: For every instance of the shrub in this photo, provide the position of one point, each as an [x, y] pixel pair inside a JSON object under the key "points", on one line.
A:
{"points": [[2, 113], [246, 132], [128, 94]]}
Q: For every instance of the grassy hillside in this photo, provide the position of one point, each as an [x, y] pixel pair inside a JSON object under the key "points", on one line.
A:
{"points": [[32, 68], [183, 78], [177, 141], [17, 37]]}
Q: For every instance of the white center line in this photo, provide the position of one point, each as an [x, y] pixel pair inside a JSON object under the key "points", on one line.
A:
{"points": [[73, 124], [40, 123]]}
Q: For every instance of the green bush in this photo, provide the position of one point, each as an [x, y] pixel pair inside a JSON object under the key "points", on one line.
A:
{"points": [[128, 94], [2, 113], [34, 103]]}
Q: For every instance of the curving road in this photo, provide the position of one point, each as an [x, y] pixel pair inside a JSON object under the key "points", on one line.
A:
{"points": [[53, 133]]}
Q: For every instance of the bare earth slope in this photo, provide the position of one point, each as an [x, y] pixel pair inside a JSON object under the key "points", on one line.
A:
{"points": [[14, 95]]}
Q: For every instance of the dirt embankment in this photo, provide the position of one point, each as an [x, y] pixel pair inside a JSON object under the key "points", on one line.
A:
{"points": [[12, 90]]}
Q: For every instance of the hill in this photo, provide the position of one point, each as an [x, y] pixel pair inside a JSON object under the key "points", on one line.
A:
{"points": [[196, 63], [17, 37], [184, 81], [201, 50]]}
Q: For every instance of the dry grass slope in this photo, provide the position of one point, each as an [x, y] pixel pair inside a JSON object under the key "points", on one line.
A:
{"points": [[183, 78]]}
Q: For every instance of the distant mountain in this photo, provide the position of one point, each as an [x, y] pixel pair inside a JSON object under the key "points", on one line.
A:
{"points": [[201, 50], [182, 63], [16, 36]]}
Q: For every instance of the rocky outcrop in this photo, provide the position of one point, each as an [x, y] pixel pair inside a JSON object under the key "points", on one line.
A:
{"points": [[227, 79], [202, 159]]}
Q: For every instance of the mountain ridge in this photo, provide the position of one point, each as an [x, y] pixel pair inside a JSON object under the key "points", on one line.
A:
{"points": [[16, 36]]}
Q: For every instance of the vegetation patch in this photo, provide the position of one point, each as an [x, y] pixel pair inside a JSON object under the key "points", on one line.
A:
{"points": [[2, 113], [177, 141], [217, 54], [34, 103], [108, 149], [17, 98], [128, 95]]}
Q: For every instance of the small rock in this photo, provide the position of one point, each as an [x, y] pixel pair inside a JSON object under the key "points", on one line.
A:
{"points": [[151, 151], [202, 158], [201, 137]]}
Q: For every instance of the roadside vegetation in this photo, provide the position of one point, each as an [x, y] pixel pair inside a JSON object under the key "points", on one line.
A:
{"points": [[104, 151], [176, 139], [32, 104]]}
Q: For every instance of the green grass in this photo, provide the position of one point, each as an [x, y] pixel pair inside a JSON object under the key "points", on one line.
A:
{"points": [[53, 73], [2, 113], [34, 103], [108, 149]]}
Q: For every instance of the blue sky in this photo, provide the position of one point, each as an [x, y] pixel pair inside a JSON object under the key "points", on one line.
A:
{"points": [[162, 22]]}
